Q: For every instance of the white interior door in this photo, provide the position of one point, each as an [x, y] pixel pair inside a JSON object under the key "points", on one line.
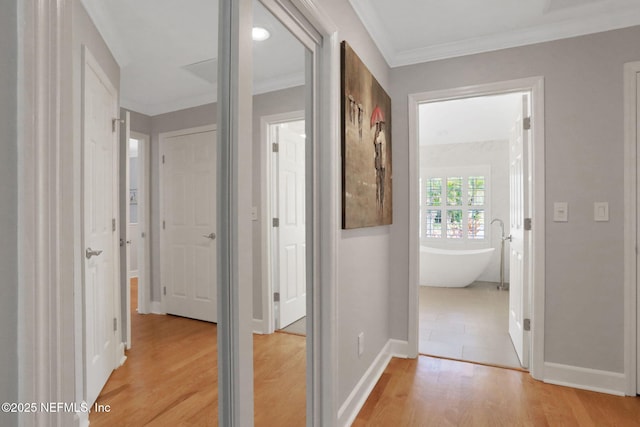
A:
{"points": [[189, 206], [518, 261], [291, 283], [100, 238]]}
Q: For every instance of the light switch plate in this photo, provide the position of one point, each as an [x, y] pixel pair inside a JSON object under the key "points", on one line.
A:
{"points": [[601, 211], [561, 211]]}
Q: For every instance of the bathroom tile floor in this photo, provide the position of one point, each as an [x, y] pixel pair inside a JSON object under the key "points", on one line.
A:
{"points": [[467, 324]]}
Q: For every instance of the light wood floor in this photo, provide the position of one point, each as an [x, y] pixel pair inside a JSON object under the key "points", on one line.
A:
{"points": [[437, 392], [170, 376], [170, 379]]}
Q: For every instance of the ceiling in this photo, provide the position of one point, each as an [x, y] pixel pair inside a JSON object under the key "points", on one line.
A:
{"points": [[157, 42], [414, 31], [479, 119]]}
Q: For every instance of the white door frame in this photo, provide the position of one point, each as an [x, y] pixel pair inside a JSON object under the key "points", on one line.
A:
{"points": [[536, 86], [162, 138], [144, 215], [631, 199], [267, 325]]}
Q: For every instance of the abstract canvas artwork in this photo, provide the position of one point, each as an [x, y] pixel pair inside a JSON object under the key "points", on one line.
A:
{"points": [[366, 146]]}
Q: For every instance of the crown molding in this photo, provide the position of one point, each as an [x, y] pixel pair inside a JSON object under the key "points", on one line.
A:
{"points": [[527, 36], [578, 25]]}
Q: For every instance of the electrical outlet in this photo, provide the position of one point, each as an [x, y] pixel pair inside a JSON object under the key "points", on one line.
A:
{"points": [[360, 343]]}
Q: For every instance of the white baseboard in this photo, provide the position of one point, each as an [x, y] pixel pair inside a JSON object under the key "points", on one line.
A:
{"points": [[586, 379], [358, 396], [121, 355], [81, 419], [258, 326], [156, 307]]}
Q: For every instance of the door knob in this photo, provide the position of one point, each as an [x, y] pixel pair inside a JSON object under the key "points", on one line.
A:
{"points": [[210, 236], [90, 253]]}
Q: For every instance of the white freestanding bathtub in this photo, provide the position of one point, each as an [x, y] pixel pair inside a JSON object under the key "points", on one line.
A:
{"points": [[452, 268]]}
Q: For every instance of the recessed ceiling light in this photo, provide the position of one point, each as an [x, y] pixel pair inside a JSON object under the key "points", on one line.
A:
{"points": [[260, 34]]}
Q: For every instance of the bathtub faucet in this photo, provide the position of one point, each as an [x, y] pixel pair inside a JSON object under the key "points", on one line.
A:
{"points": [[501, 286], [501, 225], [502, 236]]}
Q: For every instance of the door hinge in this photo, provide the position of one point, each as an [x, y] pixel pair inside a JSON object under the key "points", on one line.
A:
{"points": [[526, 325], [115, 324], [526, 123], [276, 297], [164, 290], [164, 225], [121, 242], [527, 224], [276, 222], [113, 224], [163, 159], [275, 147]]}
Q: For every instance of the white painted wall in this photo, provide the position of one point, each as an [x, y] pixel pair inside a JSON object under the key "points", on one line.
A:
{"points": [[584, 163], [496, 155], [8, 209]]}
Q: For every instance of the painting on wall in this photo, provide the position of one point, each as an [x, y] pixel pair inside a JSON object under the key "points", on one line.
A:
{"points": [[366, 146]]}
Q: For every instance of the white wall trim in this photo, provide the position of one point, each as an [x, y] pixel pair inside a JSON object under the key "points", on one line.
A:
{"points": [[631, 293], [162, 138], [259, 327], [81, 419], [358, 396], [266, 192], [536, 86], [47, 212], [585, 379], [121, 358], [156, 307], [581, 25], [322, 374]]}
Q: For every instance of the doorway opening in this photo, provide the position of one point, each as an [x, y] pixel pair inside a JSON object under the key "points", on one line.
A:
{"points": [[134, 215], [456, 215], [472, 202], [284, 263]]}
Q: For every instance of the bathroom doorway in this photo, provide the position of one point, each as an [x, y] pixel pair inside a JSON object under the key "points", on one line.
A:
{"points": [[474, 195]]}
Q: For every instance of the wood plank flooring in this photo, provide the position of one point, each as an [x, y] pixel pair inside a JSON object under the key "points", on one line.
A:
{"points": [[170, 377], [436, 392]]}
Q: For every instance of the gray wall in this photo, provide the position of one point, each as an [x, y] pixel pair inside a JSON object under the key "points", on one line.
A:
{"points": [[364, 285], [584, 163], [8, 209]]}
